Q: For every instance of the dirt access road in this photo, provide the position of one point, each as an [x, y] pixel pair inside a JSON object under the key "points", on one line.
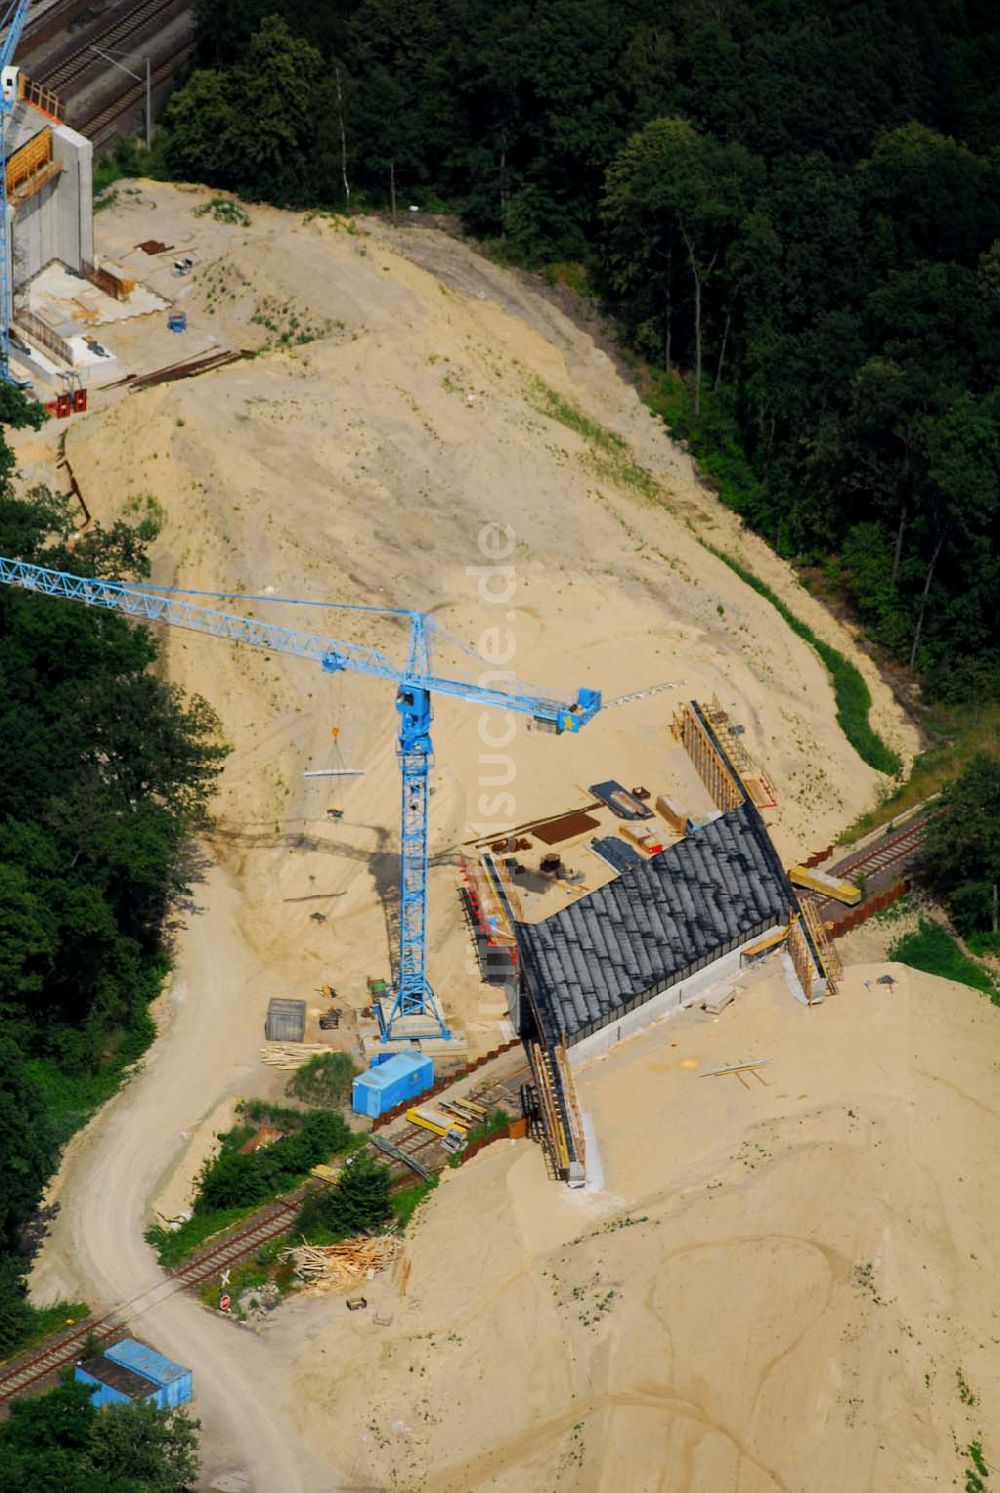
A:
{"points": [[113, 1170], [364, 456]]}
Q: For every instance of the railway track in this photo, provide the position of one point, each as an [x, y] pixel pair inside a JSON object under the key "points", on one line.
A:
{"points": [[82, 59], [891, 851], [885, 858], [100, 127], [64, 1350]]}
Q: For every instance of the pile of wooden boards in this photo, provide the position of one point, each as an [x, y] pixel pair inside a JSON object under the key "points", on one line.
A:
{"points": [[335, 1267], [290, 1055]]}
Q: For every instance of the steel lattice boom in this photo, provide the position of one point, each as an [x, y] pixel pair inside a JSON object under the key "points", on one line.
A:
{"points": [[415, 684]]}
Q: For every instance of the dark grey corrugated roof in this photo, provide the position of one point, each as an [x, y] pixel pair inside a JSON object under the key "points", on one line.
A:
{"points": [[653, 922], [119, 1376]]}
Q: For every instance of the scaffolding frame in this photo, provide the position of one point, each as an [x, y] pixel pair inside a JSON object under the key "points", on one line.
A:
{"points": [[802, 958], [829, 959], [690, 729], [754, 778]]}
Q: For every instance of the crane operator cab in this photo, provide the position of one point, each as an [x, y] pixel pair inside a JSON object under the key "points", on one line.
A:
{"points": [[8, 87]]}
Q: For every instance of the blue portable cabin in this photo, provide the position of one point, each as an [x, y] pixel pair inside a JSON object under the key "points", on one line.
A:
{"points": [[174, 1383], [402, 1077], [113, 1383]]}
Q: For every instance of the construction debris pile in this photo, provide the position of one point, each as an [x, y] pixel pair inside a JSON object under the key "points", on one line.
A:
{"points": [[334, 1267]]}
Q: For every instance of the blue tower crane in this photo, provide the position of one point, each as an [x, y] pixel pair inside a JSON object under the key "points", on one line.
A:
{"points": [[12, 24], [415, 683]]}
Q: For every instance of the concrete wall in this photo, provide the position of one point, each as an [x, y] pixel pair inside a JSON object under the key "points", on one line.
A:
{"points": [[714, 977], [58, 222]]}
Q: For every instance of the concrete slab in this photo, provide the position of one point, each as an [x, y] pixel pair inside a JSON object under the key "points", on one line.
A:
{"points": [[69, 304], [436, 1047], [85, 357]]}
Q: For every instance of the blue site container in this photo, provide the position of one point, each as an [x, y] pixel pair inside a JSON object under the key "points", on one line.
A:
{"points": [[174, 1384], [113, 1383], [390, 1083]]}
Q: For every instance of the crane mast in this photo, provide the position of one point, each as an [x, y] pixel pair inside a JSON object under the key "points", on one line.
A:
{"points": [[416, 684]]}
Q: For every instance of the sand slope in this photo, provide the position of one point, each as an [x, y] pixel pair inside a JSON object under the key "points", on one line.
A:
{"points": [[720, 1341], [779, 1291], [363, 467]]}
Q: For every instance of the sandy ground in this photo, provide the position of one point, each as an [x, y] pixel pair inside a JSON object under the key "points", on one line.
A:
{"points": [[365, 467], [785, 1287], [113, 1169], [375, 465]]}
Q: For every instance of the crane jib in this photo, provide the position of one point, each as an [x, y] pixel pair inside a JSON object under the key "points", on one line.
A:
{"points": [[413, 997]]}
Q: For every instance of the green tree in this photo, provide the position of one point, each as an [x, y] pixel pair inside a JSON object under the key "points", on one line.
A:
{"points": [[961, 848], [156, 1450], [16, 1316], [231, 1180], [201, 122], [963, 484], [357, 1202], [58, 1443], [671, 180], [929, 195], [27, 1144], [275, 96]]}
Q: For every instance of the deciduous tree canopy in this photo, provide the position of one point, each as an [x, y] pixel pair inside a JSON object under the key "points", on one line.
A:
{"points": [[795, 204], [105, 773], [961, 862]]}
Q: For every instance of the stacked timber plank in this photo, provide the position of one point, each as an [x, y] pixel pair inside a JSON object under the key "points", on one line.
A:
{"points": [[290, 1055], [336, 1267]]}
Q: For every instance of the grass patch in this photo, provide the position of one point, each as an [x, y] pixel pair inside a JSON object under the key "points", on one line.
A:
{"points": [[46, 1320], [609, 455], [851, 694], [931, 948], [406, 1202], [174, 1245], [224, 210], [984, 945], [610, 459], [958, 733], [496, 1120], [713, 437], [241, 1278], [72, 1097], [572, 273], [325, 1080], [977, 1471]]}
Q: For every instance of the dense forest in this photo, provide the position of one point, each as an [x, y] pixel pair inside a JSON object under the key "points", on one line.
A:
{"points": [[792, 207], [105, 772], [58, 1443]]}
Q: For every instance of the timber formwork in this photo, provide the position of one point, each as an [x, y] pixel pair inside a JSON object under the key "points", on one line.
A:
{"points": [[806, 960], [31, 167], [753, 777], [692, 730], [828, 957], [562, 1127], [41, 98]]}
